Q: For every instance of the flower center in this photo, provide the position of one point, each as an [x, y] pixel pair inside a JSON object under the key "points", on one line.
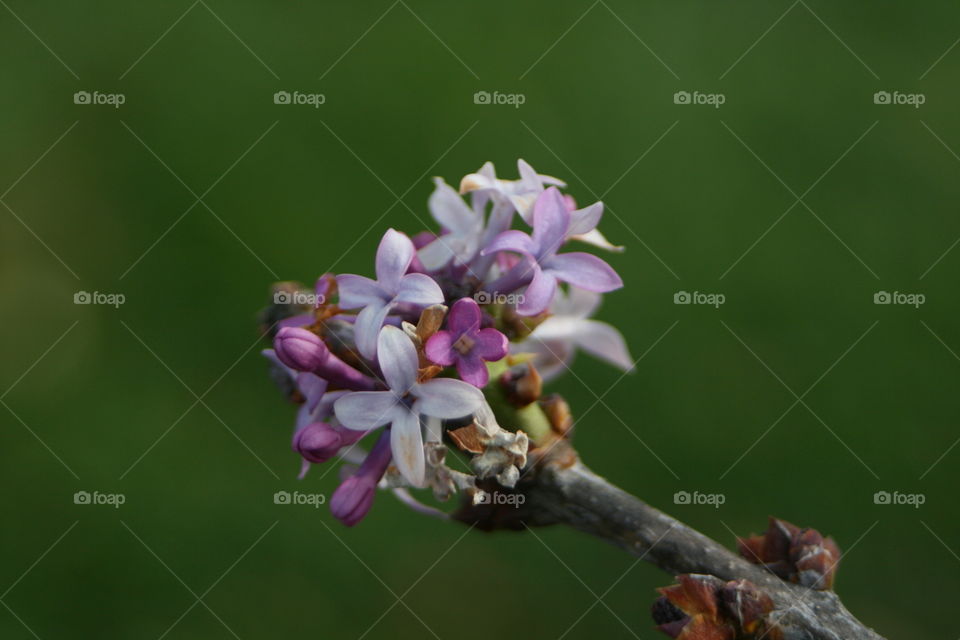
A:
{"points": [[464, 344]]}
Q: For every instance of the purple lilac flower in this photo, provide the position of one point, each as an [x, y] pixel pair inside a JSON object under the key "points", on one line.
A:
{"points": [[556, 340], [303, 350], [466, 345], [402, 405], [354, 497], [520, 193], [462, 226], [542, 267], [393, 286]]}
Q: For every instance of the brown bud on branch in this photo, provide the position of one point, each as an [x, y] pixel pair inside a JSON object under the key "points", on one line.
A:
{"points": [[797, 555]]}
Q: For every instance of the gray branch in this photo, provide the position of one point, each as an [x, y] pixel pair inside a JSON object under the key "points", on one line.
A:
{"points": [[575, 496]]}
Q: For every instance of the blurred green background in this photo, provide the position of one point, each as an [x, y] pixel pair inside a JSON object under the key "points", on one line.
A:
{"points": [[166, 401]]}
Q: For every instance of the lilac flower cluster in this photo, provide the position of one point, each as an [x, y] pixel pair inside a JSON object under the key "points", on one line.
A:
{"points": [[411, 351]]}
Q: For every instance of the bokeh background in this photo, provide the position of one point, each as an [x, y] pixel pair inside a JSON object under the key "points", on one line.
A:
{"points": [[797, 199]]}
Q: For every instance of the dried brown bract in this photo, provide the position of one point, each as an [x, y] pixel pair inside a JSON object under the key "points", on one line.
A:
{"points": [[703, 607], [797, 555]]}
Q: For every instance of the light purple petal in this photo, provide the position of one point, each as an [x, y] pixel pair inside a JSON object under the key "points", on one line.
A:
{"points": [[365, 410], [512, 240], [357, 291], [490, 344], [437, 253], [551, 357], [539, 293], [464, 316], [406, 442], [523, 167], [603, 341], [419, 289], [586, 219], [271, 355], [597, 239], [550, 222], [448, 208], [584, 270], [398, 359], [393, 257], [446, 398], [312, 387], [439, 348], [367, 328], [473, 370], [577, 303]]}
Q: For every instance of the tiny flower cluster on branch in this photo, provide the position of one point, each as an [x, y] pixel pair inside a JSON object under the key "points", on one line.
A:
{"points": [[457, 328]]}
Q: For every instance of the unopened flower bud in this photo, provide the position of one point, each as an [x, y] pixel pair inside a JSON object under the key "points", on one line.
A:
{"points": [[558, 413], [354, 497], [317, 442], [300, 349], [522, 386], [803, 556]]}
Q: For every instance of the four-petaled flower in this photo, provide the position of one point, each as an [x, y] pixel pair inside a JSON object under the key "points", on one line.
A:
{"points": [[465, 344], [393, 286], [405, 401], [542, 267]]}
